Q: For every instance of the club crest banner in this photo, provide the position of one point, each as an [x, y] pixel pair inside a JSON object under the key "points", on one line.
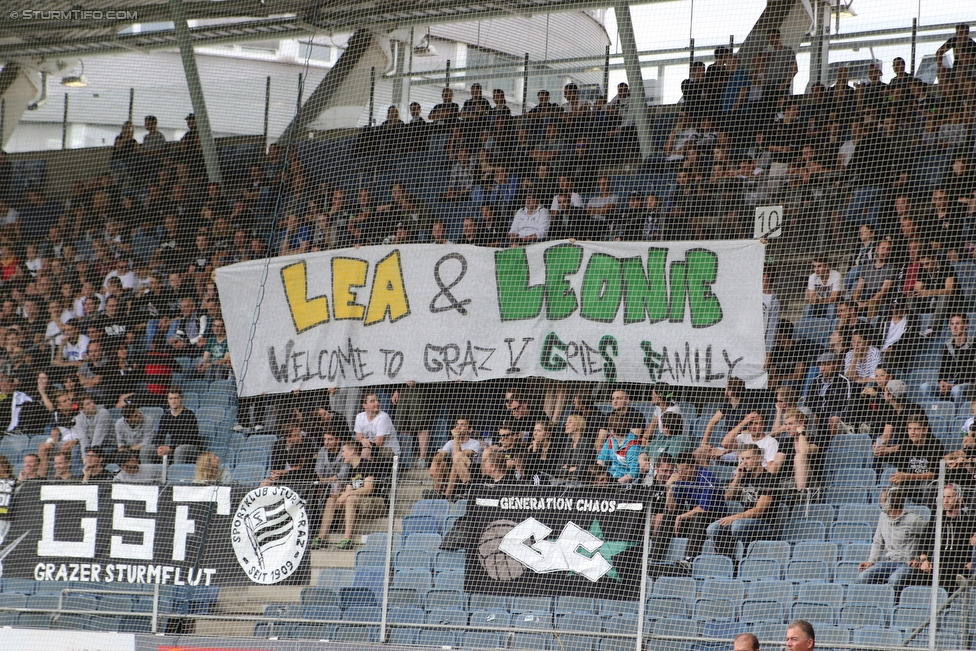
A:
{"points": [[687, 313]]}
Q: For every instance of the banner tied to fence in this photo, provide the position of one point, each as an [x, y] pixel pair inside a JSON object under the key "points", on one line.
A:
{"points": [[545, 541], [121, 534], [685, 313]]}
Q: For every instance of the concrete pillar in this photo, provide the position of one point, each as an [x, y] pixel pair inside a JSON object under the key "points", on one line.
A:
{"points": [[178, 13], [635, 79]]}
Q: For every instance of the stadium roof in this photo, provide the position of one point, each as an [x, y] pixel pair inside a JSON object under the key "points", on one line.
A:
{"points": [[77, 33]]}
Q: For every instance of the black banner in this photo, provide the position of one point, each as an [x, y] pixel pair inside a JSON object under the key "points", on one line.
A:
{"points": [[118, 533], [542, 541]]}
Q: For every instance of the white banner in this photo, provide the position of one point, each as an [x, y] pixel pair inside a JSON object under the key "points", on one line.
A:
{"points": [[687, 313], [66, 640]]}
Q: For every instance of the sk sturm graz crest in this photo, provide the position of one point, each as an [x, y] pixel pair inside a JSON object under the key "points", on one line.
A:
{"points": [[270, 533]]}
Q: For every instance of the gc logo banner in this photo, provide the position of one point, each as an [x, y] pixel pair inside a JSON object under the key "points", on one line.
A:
{"points": [[270, 533]]}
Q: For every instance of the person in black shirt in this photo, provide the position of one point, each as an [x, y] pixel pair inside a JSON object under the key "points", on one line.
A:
{"points": [[935, 290], [757, 491], [495, 470], [580, 454], [546, 454], [446, 113], [636, 423], [95, 466], [178, 433], [918, 460], [360, 496], [522, 416], [830, 394], [789, 359], [733, 411], [292, 459], [957, 543], [964, 52]]}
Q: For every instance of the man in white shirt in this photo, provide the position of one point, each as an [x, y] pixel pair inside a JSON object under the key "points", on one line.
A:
{"points": [[374, 429], [531, 223], [752, 430], [452, 464], [123, 272], [823, 290]]}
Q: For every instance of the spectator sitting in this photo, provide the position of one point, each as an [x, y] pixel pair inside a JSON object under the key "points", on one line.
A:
{"points": [[693, 503], [662, 397], [461, 181], [531, 223], [621, 453], [329, 467], [375, 432], [751, 430], [291, 458], [899, 337], [215, 363], [133, 432], [957, 543], [132, 473], [580, 454], [894, 421], [178, 433], [830, 394], [861, 361], [602, 210], [633, 419], [790, 358], [876, 280], [63, 435], [494, 469], [545, 455], [670, 440], [733, 411], [896, 541], [757, 491], [957, 365], [31, 468], [918, 460], [62, 468], [799, 460], [935, 291], [823, 290], [360, 496], [455, 463], [209, 472], [95, 466]]}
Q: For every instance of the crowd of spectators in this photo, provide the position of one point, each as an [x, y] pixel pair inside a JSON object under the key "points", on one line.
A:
{"points": [[107, 294]]}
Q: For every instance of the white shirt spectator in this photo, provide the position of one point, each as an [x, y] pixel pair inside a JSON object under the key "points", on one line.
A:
{"points": [[12, 217], [867, 366], [602, 202], [381, 425], [526, 224], [470, 444], [34, 265], [83, 309], [74, 352], [825, 289], [767, 444], [128, 279]]}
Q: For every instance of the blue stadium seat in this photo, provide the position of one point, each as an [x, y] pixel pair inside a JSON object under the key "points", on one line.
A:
{"points": [[677, 628], [821, 512], [759, 569], [918, 596], [405, 598], [775, 549], [357, 597], [715, 609], [249, 475], [491, 618], [446, 599], [571, 604], [334, 579], [446, 617], [827, 593], [665, 607], [813, 612], [377, 541], [778, 591], [761, 611], [369, 558], [844, 533], [411, 559], [482, 640], [488, 602], [449, 561], [437, 509], [882, 596], [847, 572], [429, 541], [854, 617], [864, 513], [414, 579], [712, 567], [581, 622], [799, 571], [840, 495], [610, 607], [532, 604], [680, 587], [181, 473], [877, 635], [449, 580], [796, 531]]}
